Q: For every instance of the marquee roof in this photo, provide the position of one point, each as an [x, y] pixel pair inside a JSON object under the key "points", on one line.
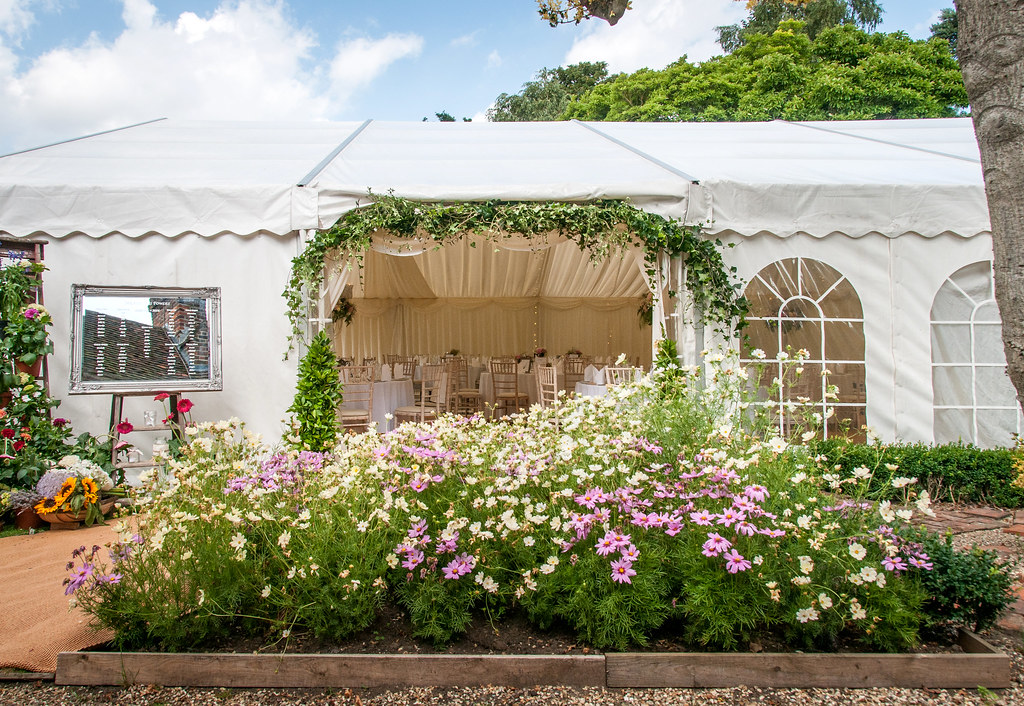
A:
{"points": [[173, 177]]}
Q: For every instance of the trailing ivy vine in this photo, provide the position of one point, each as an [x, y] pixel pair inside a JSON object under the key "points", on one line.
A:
{"points": [[598, 228]]}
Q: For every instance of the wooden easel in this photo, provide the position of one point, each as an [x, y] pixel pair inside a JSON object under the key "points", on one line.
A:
{"points": [[117, 408]]}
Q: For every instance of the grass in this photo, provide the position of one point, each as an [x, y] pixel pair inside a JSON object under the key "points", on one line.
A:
{"points": [[12, 531]]}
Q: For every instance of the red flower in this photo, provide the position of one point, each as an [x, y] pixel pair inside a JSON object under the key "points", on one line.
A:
{"points": [[60, 422], [7, 433], [161, 396], [125, 427], [19, 445], [184, 405], [168, 419]]}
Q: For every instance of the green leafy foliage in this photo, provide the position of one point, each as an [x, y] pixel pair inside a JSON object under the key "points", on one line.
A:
{"points": [[766, 16], [969, 588], [598, 228], [318, 394], [947, 28], [842, 73], [955, 472], [547, 97]]}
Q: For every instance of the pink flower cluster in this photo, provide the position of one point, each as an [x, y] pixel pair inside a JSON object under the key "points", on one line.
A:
{"points": [[615, 541]]}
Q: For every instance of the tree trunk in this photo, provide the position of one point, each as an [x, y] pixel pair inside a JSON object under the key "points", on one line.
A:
{"points": [[991, 49]]}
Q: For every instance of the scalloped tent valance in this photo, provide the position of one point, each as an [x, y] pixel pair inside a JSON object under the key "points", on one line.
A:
{"points": [[171, 177]]}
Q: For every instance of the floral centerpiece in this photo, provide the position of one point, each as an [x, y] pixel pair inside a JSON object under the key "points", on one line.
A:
{"points": [[540, 352], [574, 352], [76, 486]]}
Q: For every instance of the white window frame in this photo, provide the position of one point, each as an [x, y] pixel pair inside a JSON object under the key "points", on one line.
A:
{"points": [[826, 404], [974, 407]]}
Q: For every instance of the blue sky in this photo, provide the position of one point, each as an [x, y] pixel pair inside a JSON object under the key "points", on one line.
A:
{"points": [[70, 67]]}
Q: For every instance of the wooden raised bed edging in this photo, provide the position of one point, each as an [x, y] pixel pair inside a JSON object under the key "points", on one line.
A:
{"points": [[980, 665]]}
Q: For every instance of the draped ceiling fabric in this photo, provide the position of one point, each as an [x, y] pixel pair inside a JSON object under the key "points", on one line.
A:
{"points": [[488, 300], [896, 206]]}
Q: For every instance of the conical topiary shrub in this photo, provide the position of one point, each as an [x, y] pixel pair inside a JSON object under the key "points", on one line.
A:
{"points": [[317, 396]]}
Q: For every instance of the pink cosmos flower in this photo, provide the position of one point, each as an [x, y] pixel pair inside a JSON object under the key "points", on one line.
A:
{"points": [[728, 516], [586, 500], [757, 493], [734, 562], [743, 504], [746, 528], [622, 570], [606, 545], [630, 553], [701, 518], [894, 563], [413, 559], [715, 545], [920, 561], [621, 540]]}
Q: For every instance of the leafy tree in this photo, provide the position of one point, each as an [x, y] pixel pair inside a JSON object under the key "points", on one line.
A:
{"points": [[559, 12], [819, 15], [548, 96], [445, 117], [947, 28], [842, 74]]}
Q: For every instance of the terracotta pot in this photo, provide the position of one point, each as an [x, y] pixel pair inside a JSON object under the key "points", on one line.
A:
{"points": [[34, 370], [28, 519], [73, 520]]}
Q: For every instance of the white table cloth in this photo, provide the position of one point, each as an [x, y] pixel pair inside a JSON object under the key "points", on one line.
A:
{"points": [[586, 389]]}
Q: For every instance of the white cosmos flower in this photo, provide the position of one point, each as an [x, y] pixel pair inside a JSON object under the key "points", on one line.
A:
{"points": [[805, 615]]}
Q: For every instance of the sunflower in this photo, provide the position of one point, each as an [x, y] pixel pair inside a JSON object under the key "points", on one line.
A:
{"points": [[47, 505], [67, 489]]}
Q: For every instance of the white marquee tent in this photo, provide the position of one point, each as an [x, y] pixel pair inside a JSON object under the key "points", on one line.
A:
{"points": [[890, 210]]}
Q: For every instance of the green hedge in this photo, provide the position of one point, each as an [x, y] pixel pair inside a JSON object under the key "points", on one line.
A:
{"points": [[957, 472]]}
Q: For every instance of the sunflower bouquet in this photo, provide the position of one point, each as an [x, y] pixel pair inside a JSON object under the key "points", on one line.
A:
{"points": [[76, 494], [75, 485]]}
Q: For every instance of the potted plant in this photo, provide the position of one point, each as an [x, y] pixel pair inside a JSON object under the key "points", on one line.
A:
{"points": [[19, 281], [25, 341]]}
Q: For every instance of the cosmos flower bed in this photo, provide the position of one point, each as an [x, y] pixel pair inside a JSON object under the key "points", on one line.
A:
{"points": [[613, 516]]}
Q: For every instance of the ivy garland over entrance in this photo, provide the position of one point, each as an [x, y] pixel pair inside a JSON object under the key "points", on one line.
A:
{"points": [[598, 228]]}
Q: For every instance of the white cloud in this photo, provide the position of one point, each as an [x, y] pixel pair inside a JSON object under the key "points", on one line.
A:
{"points": [[655, 33], [245, 60], [466, 40], [15, 17], [493, 60], [359, 61]]}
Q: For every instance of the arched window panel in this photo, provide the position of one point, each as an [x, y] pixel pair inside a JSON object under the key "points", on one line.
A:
{"points": [[762, 299], [841, 301], [973, 398], [796, 304]]}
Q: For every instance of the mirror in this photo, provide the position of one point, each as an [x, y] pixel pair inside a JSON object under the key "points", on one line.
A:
{"points": [[145, 339]]}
